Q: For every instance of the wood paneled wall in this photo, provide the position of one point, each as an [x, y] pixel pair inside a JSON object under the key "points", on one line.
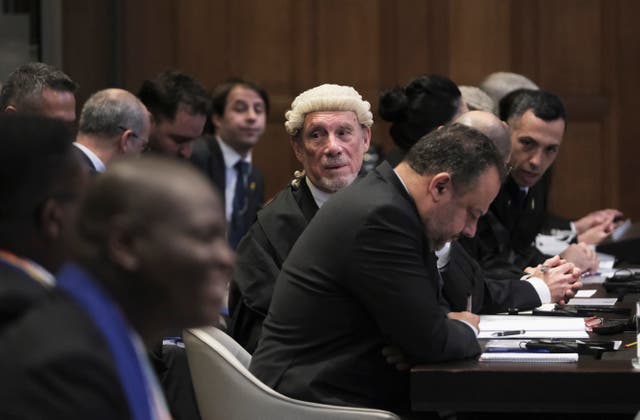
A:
{"points": [[586, 51]]}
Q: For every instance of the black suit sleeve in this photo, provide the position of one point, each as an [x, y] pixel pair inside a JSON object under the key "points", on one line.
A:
{"points": [[464, 276]]}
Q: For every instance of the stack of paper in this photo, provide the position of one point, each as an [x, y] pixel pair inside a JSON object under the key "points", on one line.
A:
{"points": [[524, 326], [530, 357]]}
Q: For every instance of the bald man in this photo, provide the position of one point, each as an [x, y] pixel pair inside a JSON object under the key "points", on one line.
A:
{"points": [[113, 123], [464, 278], [491, 126]]}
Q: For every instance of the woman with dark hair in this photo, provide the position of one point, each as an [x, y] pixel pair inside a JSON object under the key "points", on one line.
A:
{"points": [[426, 103]]}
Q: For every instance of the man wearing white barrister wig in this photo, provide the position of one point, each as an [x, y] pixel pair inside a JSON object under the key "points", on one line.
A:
{"points": [[330, 131]]}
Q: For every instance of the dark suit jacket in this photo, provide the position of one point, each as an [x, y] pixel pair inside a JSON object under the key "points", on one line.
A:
{"points": [[18, 294], [361, 276], [207, 156], [504, 242], [464, 276], [259, 258], [86, 161], [57, 366]]}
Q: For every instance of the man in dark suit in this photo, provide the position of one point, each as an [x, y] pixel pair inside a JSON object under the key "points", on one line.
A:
{"points": [[327, 169], [464, 279], [41, 180], [113, 123], [363, 274], [150, 255], [179, 106], [240, 110], [505, 238], [39, 89]]}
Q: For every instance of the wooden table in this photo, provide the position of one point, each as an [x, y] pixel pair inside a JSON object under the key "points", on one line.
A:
{"points": [[610, 385]]}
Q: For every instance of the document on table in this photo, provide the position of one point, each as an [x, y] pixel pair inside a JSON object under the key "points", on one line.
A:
{"points": [[585, 293], [593, 302], [530, 357], [524, 326]]}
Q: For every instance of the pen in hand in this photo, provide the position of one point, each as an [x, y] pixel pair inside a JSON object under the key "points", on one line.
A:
{"points": [[469, 302], [506, 333]]}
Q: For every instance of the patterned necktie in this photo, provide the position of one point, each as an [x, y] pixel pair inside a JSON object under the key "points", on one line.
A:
{"points": [[238, 222]]}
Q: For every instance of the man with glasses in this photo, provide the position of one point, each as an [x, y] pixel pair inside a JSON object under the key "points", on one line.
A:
{"points": [[113, 122]]}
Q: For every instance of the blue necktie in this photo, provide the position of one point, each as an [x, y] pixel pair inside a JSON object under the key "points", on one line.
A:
{"points": [[238, 220]]}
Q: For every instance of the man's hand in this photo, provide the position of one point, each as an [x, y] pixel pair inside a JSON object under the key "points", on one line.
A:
{"points": [[469, 317], [561, 277], [597, 233], [582, 256], [596, 218], [395, 356]]}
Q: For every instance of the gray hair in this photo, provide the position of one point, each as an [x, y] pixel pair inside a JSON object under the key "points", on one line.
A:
{"points": [[109, 111], [499, 84]]}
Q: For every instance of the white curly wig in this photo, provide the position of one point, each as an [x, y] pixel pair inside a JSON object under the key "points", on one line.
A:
{"points": [[327, 97]]}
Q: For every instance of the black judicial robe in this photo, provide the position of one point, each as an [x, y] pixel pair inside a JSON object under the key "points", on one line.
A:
{"points": [[260, 256]]}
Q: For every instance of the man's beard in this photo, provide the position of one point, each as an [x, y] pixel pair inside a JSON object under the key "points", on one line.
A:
{"points": [[337, 183]]}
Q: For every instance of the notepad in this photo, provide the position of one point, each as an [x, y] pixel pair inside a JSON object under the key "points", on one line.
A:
{"points": [[533, 326], [529, 357], [593, 302]]}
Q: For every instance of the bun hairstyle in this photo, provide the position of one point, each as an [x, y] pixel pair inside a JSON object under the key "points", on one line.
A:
{"points": [[426, 103]]}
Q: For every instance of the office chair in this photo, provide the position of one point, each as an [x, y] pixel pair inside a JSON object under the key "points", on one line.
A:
{"points": [[225, 389]]}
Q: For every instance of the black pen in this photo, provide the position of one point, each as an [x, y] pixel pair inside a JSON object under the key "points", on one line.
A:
{"points": [[506, 333]]}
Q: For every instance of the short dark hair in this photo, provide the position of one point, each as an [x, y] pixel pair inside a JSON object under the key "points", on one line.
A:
{"points": [[163, 94], [426, 103], [23, 88], [221, 92], [461, 151], [545, 105], [33, 153]]}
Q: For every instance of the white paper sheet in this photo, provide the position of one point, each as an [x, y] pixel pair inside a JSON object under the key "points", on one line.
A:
{"points": [[593, 301], [530, 357], [585, 293], [533, 326]]}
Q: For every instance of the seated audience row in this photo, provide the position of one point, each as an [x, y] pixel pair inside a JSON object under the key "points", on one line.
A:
{"points": [[116, 253]]}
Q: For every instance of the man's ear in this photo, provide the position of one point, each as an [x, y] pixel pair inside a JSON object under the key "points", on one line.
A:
{"points": [[440, 186], [367, 136], [121, 244], [123, 144], [50, 219]]}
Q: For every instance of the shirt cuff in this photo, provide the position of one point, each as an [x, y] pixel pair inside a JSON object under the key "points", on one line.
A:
{"points": [[540, 287], [474, 329]]}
